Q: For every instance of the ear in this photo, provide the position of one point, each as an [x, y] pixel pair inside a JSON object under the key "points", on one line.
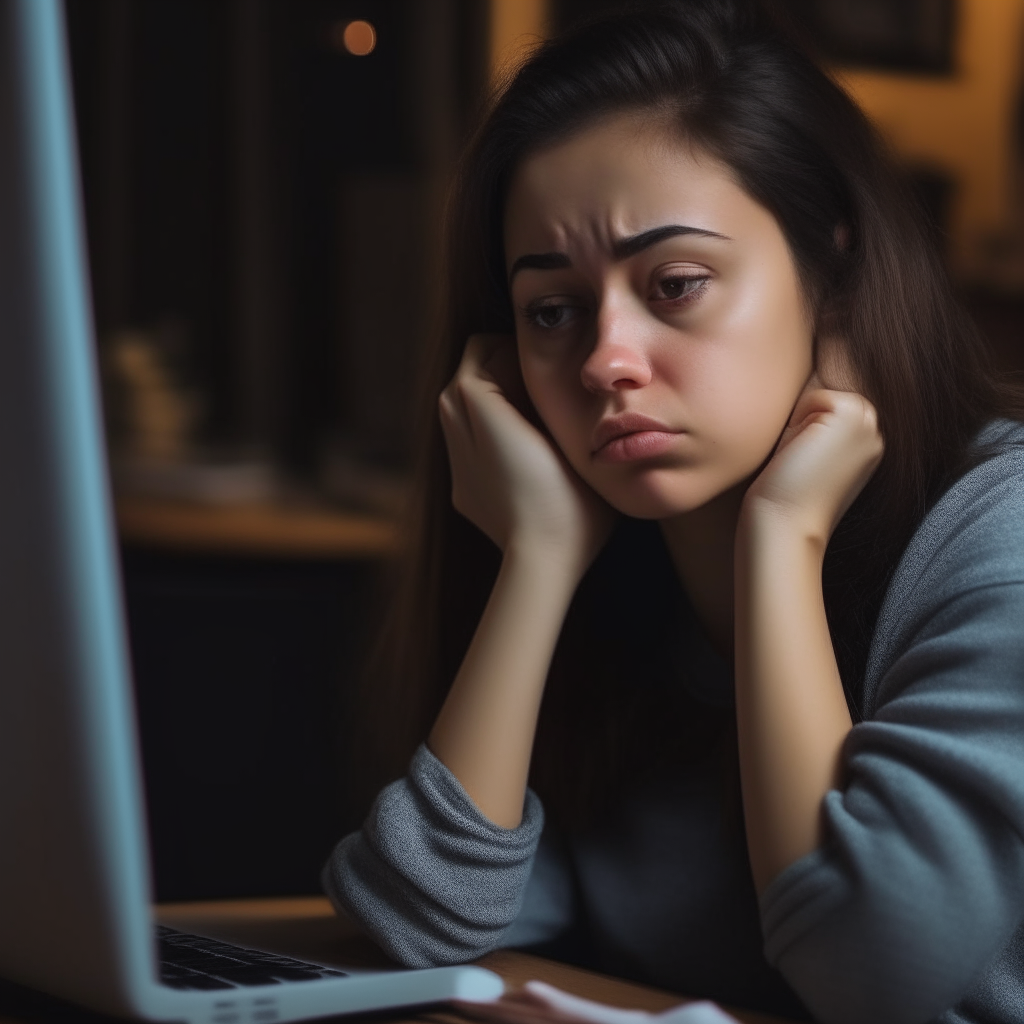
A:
{"points": [[832, 364]]}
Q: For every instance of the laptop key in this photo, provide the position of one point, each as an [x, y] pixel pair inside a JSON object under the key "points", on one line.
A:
{"points": [[194, 981], [242, 974], [192, 961]]}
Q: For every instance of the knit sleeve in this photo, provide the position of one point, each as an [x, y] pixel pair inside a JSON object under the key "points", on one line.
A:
{"points": [[918, 889], [430, 878]]}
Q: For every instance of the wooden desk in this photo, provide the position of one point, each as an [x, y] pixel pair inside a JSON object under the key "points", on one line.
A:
{"points": [[274, 530], [308, 928]]}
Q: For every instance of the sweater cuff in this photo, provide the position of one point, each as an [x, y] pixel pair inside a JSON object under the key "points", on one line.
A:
{"points": [[429, 876], [446, 796], [797, 899]]}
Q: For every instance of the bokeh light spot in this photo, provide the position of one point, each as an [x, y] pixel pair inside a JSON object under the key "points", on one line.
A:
{"points": [[356, 37]]}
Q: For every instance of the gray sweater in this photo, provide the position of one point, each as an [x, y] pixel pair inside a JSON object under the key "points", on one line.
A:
{"points": [[911, 911]]}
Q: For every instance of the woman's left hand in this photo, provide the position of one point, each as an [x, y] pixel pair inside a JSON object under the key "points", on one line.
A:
{"points": [[826, 455], [791, 711]]}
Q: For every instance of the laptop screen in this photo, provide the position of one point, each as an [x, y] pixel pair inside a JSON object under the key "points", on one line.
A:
{"points": [[73, 864]]}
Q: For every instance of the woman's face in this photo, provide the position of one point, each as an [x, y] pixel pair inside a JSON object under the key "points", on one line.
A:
{"points": [[662, 330]]}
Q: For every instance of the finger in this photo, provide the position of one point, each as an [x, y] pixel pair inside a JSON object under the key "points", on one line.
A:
{"points": [[491, 366], [853, 410], [457, 430], [453, 411], [813, 402], [488, 386], [479, 350], [472, 386], [502, 367], [811, 405]]}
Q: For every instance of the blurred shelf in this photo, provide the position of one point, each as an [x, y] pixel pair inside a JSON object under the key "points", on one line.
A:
{"points": [[269, 530]]}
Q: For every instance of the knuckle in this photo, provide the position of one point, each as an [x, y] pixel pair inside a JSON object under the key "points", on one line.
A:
{"points": [[446, 414]]}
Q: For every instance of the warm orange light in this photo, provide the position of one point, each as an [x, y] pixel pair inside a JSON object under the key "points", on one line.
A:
{"points": [[356, 37]]}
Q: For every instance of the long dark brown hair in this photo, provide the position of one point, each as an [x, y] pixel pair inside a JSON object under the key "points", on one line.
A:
{"points": [[731, 83]]}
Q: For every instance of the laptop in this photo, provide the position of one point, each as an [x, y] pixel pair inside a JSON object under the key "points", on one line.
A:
{"points": [[75, 891]]}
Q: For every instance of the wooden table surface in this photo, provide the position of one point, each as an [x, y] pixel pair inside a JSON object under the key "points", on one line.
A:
{"points": [[308, 928], [260, 529]]}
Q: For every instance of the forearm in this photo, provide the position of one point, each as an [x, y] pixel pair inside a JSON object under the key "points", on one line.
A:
{"points": [[431, 879], [792, 715], [484, 733]]}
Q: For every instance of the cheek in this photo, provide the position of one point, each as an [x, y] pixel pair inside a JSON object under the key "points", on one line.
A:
{"points": [[561, 403], [749, 396], [750, 376]]}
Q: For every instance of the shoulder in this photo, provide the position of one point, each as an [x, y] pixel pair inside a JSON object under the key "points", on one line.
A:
{"points": [[974, 529], [970, 543]]}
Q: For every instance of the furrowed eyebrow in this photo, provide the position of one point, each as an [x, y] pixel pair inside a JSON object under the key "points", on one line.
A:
{"points": [[623, 249], [626, 247], [540, 261]]}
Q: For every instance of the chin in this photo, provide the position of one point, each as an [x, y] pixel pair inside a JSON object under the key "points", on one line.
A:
{"points": [[660, 494]]}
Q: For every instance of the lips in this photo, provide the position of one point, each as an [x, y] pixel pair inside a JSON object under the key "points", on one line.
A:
{"points": [[631, 436]]}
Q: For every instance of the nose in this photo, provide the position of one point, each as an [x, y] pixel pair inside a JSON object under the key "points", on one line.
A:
{"points": [[618, 361]]}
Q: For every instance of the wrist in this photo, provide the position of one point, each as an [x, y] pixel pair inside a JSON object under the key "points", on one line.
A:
{"points": [[764, 524], [776, 552], [556, 567]]}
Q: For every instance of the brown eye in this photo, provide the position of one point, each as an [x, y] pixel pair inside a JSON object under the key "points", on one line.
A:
{"points": [[678, 286], [550, 316]]}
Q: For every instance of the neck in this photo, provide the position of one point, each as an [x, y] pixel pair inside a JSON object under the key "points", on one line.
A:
{"points": [[701, 546]]}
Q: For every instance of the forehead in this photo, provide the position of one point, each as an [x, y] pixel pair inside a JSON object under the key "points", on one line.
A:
{"points": [[621, 176]]}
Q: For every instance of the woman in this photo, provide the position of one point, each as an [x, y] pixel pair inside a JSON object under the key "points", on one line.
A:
{"points": [[754, 634]]}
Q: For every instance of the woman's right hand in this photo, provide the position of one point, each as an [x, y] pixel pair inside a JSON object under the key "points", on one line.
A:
{"points": [[513, 483], [508, 478]]}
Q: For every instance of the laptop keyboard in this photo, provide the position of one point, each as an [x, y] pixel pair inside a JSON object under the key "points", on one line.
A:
{"points": [[193, 962]]}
